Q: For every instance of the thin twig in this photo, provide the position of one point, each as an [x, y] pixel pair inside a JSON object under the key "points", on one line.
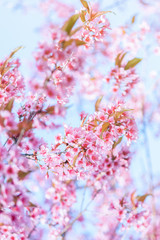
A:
{"points": [[32, 230], [150, 168], [83, 197], [79, 215]]}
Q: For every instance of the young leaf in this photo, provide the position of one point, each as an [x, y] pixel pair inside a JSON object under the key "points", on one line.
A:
{"points": [[85, 4], [119, 59], [9, 105], [116, 143], [69, 42], [82, 16], [132, 63], [79, 42], [133, 19], [24, 125], [3, 69], [98, 103], [119, 113], [104, 128], [143, 197], [14, 51], [32, 204], [27, 125], [74, 160], [50, 110], [133, 199], [98, 14], [67, 27], [83, 121], [22, 175]]}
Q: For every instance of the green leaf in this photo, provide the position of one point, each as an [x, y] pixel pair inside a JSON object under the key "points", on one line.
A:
{"points": [[85, 4], [9, 105], [104, 128], [132, 63], [119, 59], [119, 113], [67, 27], [116, 143], [69, 42], [82, 15], [79, 42]]}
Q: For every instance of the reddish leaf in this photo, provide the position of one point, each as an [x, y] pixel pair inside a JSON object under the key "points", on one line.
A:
{"points": [[14, 51], [32, 204], [74, 160], [98, 103], [22, 175], [25, 125], [133, 199], [50, 109], [133, 19], [143, 197]]}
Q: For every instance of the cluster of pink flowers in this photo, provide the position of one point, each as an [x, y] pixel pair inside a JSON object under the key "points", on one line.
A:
{"points": [[95, 30], [86, 150], [40, 179], [11, 80], [124, 216], [122, 79], [52, 61]]}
